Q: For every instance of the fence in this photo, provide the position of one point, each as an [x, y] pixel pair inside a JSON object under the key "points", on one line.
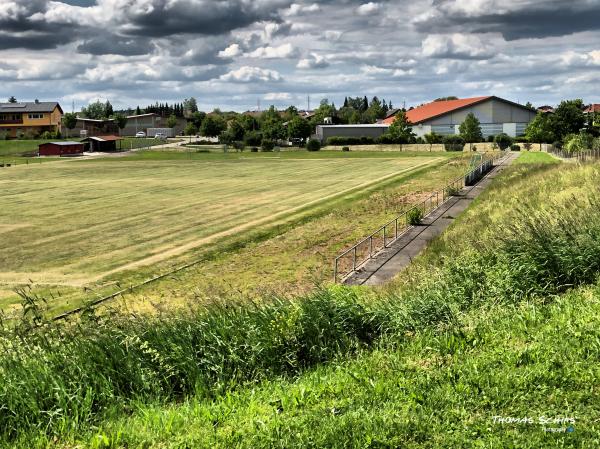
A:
{"points": [[355, 257], [580, 156]]}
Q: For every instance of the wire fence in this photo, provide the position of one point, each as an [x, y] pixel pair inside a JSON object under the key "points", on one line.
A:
{"points": [[354, 258], [580, 156]]}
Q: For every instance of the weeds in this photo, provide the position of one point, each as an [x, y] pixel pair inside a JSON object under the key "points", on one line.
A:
{"points": [[60, 378]]}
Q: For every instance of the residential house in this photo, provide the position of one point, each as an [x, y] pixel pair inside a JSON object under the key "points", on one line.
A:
{"points": [[30, 118]]}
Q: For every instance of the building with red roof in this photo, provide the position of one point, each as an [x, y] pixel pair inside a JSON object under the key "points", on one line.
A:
{"points": [[495, 114]]}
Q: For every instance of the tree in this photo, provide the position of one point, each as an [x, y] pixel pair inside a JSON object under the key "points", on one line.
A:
{"points": [[197, 118], [70, 121], [529, 105], [375, 110], [94, 111], [323, 111], [578, 142], [172, 121], [541, 129], [138, 111], [452, 97], [190, 129], [401, 130], [189, 106], [108, 109], [568, 118], [252, 138], [235, 130], [299, 128], [248, 122], [271, 125], [121, 121], [12, 99], [470, 130], [365, 104], [433, 138], [290, 113], [212, 126]]}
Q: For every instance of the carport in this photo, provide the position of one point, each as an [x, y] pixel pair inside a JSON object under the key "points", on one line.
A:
{"points": [[101, 144]]}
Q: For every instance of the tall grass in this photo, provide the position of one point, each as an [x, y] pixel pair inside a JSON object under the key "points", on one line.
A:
{"points": [[58, 378]]}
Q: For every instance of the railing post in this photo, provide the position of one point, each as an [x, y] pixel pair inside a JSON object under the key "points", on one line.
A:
{"points": [[354, 260], [384, 243], [335, 271], [371, 247], [396, 229]]}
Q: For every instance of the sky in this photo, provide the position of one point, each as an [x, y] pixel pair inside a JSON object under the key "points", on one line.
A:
{"points": [[237, 54]]}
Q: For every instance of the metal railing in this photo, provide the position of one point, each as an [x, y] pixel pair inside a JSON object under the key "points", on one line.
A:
{"points": [[580, 156], [352, 259]]}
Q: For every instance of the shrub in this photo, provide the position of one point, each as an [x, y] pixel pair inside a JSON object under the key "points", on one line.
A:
{"points": [[557, 144], [3, 135], [239, 146], [491, 138], [386, 139], [346, 149], [414, 216], [339, 140], [313, 145], [253, 138], [267, 145], [503, 141], [420, 140], [254, 150], [515, 147], [452, 191], [454, 143]]}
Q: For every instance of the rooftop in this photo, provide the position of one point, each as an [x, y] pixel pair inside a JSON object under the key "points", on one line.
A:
{"points": [[65, 143], [39, 106], [437, 108], [361, 125]]}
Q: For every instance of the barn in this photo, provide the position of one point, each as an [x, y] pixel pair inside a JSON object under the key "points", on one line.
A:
{"points": [[65, 148]]}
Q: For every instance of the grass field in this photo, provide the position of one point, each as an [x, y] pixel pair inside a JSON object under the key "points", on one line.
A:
{"points": [[80, 223], [19, 147], [480, 327]]}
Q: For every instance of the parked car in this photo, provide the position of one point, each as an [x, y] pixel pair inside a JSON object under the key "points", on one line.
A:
{"points": [[140, 134], [160, 136]]}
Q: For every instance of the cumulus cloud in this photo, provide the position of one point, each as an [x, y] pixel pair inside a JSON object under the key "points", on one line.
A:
{"points": [[297, 9], [458, 46], [247, 74], [315, 61], [282, 51], [368, 9], [278, 96], [231, 52]]}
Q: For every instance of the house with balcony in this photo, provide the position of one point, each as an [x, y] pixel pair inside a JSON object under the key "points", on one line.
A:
{"points": [[30, 118]]}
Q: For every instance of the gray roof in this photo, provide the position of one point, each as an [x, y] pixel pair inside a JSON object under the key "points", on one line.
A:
{"points": [[358, 125], [65, 143], [42, 106]]}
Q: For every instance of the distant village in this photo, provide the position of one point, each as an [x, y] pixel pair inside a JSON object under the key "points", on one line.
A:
{"points": [[357, 121]]}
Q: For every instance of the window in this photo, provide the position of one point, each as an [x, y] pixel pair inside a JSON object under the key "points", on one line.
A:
{"points": [[36, 116]]}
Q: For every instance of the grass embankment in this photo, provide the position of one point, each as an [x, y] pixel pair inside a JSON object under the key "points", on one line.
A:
{"points": [[536, 158], [468, 339], [20, 147], [124, 220]]}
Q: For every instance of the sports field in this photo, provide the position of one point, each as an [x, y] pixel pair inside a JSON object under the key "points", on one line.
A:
{"points": [[73, 223]]}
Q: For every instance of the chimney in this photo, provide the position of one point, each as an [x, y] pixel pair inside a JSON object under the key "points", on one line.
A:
{"points": [[37, 101]]}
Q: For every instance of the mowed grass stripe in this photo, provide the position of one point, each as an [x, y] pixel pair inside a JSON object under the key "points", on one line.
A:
{"points": [[93, 216]]}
